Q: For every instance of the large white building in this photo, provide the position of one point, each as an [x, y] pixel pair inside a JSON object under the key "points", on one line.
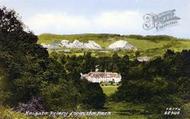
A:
{"points": [[105, 77]]}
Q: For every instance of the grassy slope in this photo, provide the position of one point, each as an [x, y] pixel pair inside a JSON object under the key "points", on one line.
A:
{"points": [[109, 90], [102, 39], [121, 110], [145, 46]]}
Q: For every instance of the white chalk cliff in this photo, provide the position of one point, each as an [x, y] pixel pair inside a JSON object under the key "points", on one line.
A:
{"points": [[121, 44], [78, 44]]}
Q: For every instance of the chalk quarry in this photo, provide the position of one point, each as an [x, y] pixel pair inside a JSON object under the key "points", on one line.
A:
{"points": [[117, 45]]}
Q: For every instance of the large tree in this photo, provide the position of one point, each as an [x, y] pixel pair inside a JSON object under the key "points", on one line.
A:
{"points": [[27, 71], [22, 59]]}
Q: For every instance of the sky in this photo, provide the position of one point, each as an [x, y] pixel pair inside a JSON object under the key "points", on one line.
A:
{"points": [[99, 16]]}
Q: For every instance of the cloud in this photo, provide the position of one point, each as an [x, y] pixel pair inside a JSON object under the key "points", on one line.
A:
{"points": [[111, 21], [126, 20], [56, 22]]}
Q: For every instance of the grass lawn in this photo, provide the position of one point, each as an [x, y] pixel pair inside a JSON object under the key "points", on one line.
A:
{"points": [[109, 90], [124, 110], [120, 110]]}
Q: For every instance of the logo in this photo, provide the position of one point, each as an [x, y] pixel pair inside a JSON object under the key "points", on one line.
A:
{"points": [[161, 20]]}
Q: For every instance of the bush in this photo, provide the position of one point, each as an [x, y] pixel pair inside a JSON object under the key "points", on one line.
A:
{"points": [[93, 96]]}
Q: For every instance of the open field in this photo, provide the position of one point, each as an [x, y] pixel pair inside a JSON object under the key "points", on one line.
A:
{"points": [[121, 110], [109, 90], [150, 46]]}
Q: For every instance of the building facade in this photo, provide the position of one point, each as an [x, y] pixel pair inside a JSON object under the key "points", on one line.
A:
{"points": [[105, 77]]}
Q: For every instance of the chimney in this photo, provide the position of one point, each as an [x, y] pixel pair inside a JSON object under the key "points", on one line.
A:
{"points": [[96, 70]]}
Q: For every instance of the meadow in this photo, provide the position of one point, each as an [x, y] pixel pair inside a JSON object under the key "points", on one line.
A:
{"points": [[109, 90], [151, 46]]}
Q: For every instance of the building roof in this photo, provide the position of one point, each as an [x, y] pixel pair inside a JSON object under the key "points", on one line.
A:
{"points": [[102, 75]]}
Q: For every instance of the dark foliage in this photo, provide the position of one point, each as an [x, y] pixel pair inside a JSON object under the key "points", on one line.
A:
{"points": [[34, 105], [160, 83], [27, 71]]}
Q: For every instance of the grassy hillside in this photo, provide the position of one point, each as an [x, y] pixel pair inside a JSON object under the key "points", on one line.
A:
{"points": [[109, 90], [102, 39], [146, 45]]}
